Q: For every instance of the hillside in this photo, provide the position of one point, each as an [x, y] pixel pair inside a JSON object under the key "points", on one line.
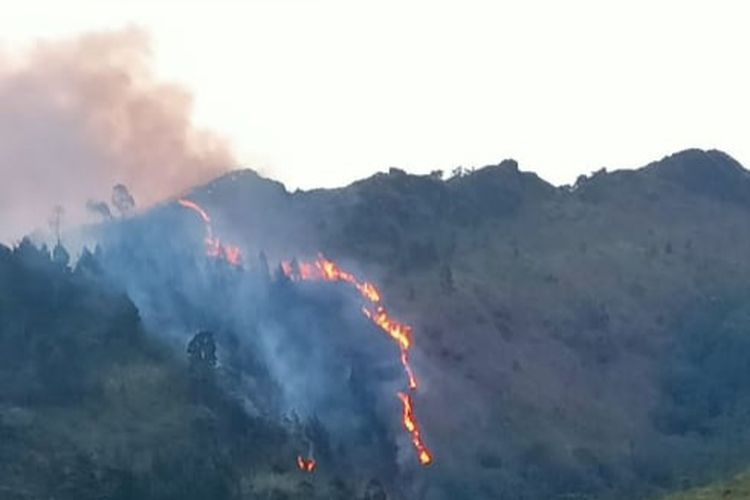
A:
{"points": [[92, 406], [586, 340]]}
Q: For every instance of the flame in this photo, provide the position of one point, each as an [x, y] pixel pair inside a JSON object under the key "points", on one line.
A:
{"points": [[232, 254], [369, 291], [214, 247], [410, 424], [305, 464], [409, 372], [196, 208], [327, 270], [401, 333]]}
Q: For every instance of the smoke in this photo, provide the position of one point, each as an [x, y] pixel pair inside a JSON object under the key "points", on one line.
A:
{"points": [[287, 350], [82, 115]]}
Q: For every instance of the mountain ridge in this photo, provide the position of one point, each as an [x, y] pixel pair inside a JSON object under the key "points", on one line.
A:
{"points": [[689, 161]]}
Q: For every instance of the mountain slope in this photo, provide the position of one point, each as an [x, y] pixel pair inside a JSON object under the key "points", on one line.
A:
{"points": [[92, 406], [560, 332]]}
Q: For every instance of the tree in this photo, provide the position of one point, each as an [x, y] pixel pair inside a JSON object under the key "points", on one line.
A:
{"points": [[202, 358], [263, 262], [122, 200], [88, 265], [202, 351], [374, 491], [55, 221], [60, 256], [446, 279]]}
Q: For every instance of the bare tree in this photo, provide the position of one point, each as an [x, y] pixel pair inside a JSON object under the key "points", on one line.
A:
{"points": [[55, 221]]}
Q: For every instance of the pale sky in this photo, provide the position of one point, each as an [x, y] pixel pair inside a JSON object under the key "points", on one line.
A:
{"points": [[320, 93]]}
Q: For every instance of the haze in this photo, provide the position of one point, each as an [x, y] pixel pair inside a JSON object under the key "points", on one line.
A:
{"points": [[321, 93]]}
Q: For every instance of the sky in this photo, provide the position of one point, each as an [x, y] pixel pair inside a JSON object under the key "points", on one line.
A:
{"points": [[321, 93]]}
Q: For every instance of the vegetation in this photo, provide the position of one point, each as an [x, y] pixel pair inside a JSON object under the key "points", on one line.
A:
{"points": [[736, 488], [589, 341], [94, 407]]}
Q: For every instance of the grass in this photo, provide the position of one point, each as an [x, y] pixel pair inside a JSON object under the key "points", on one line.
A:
{"points": [[735, 488]]}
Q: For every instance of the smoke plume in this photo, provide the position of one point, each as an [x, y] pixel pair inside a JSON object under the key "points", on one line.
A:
{"points": [[79, 116]]}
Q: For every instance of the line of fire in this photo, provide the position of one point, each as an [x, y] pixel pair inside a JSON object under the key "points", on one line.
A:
{"points": [[373, 308]]}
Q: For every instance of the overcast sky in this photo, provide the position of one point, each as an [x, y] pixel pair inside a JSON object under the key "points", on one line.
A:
{"points": [[320, 93]]}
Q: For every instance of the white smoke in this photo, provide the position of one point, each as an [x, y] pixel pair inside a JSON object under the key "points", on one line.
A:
{"points": [[79, 116]]}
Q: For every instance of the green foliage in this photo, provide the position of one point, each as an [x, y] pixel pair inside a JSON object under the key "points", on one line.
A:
{"points": [[705, 380], [93, 408]]}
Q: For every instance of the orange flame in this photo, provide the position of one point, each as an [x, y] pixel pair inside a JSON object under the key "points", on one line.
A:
{"points": [[214, 247], [407, 367], [327, 270], [305, 464], [401, 333], [410, 424]]}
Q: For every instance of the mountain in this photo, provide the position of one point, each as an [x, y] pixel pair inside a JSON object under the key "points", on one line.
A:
{"points": [[584, 341]]}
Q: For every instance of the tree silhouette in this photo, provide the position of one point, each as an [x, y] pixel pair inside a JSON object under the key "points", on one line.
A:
{"points": [[122, 200], [202, 359]]}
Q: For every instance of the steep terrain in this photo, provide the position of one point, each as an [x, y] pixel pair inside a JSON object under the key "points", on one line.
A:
{"points": [[586, 340]]}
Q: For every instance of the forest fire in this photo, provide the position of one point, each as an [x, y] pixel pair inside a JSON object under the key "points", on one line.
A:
{"points": [[409, 373], [327, 270], [322, 269], [306, 464], [410, 424], [214, 247]]}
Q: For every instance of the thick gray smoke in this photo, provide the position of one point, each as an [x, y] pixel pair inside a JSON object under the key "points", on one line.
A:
{"points": [[79, 116]]}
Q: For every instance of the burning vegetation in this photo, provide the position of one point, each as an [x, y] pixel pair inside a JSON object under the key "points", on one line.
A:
{"points": [[401, 333], [214, 246], [323, 269]]}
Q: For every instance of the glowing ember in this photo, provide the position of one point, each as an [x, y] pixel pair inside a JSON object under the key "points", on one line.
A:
{"points": [[305, 464], [327, 270], [232, 254], [214, 247]]}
